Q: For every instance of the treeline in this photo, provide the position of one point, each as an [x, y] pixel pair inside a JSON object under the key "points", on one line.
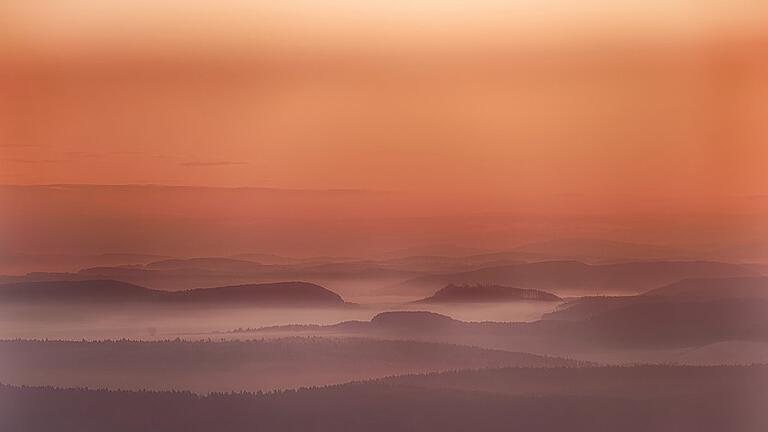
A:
{"points": [[383, 406], [206, 366]]}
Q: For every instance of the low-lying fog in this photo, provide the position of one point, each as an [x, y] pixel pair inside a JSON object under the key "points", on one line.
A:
{"points": [[93, 322]]}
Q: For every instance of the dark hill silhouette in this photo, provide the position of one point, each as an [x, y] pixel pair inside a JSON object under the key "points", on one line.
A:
{"points": [[630, 399], [280, 293], [394, 324], [179, 274], [652, 325], [572, 276], [443, 250], [578, 249], [75, 291], [725, 353], [212, 264], [416, 321], [682, 323], [264, 258], [596, 249], [585, 307], [715, 288], [694, 289], [638, 382], [443, 264], [487, 294], [240, 266], [23, 263], [205, 366], [267, 258]]}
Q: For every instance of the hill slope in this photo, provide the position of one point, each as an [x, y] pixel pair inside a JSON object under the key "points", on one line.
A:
{"points": [[703, 399], [653, 326], [487, 293], [206, 366], [572, 276], [715, 288], [110, 291], [686, 290], [74, 291]]}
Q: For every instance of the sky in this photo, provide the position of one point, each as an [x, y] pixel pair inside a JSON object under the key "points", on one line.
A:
{"points": [[455, 107]]}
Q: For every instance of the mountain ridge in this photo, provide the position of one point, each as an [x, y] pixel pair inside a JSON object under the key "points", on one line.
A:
{"points": [[487, 293], [116, 291]]}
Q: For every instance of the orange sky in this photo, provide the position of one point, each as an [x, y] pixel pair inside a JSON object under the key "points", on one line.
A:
{"points": [[483, 104]]}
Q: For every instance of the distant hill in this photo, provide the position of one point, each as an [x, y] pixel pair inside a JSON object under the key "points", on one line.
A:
{"points": [[24, 263], [105, 291], [576, 249], [585, 249], [204, 272], [572, 276], [212, 264], [125, 258], [443, 250], [271, 259], [271, 293], [487, 294], [682, 323], [386, 324], [715, 288], [645, 325], [75, 291], [695, 289], [415, 321], [585, 307], [429, 264], [264, 258]]}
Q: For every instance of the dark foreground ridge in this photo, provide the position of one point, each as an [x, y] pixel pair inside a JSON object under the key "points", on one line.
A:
{"points": [[633, 399], [206, 366]]}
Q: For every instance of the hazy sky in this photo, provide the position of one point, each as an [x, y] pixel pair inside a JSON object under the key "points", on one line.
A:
{"points": [[483, 105]]}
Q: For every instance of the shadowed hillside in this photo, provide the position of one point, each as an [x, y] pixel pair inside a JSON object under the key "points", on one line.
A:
{"points": [[697, 289], [76, 291], [654, 325], [178, 274], [575, 277], [702, 399], [206, 366], [110, 291], [715, 288], [487, 293]]}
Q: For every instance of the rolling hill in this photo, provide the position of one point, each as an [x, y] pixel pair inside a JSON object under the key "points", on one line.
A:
{"points": [[205, 366], [487, 294], [575, 277], [648, 326], [631, 399], [695, 289], [110, 291], [75, 291], [715, 288]]}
